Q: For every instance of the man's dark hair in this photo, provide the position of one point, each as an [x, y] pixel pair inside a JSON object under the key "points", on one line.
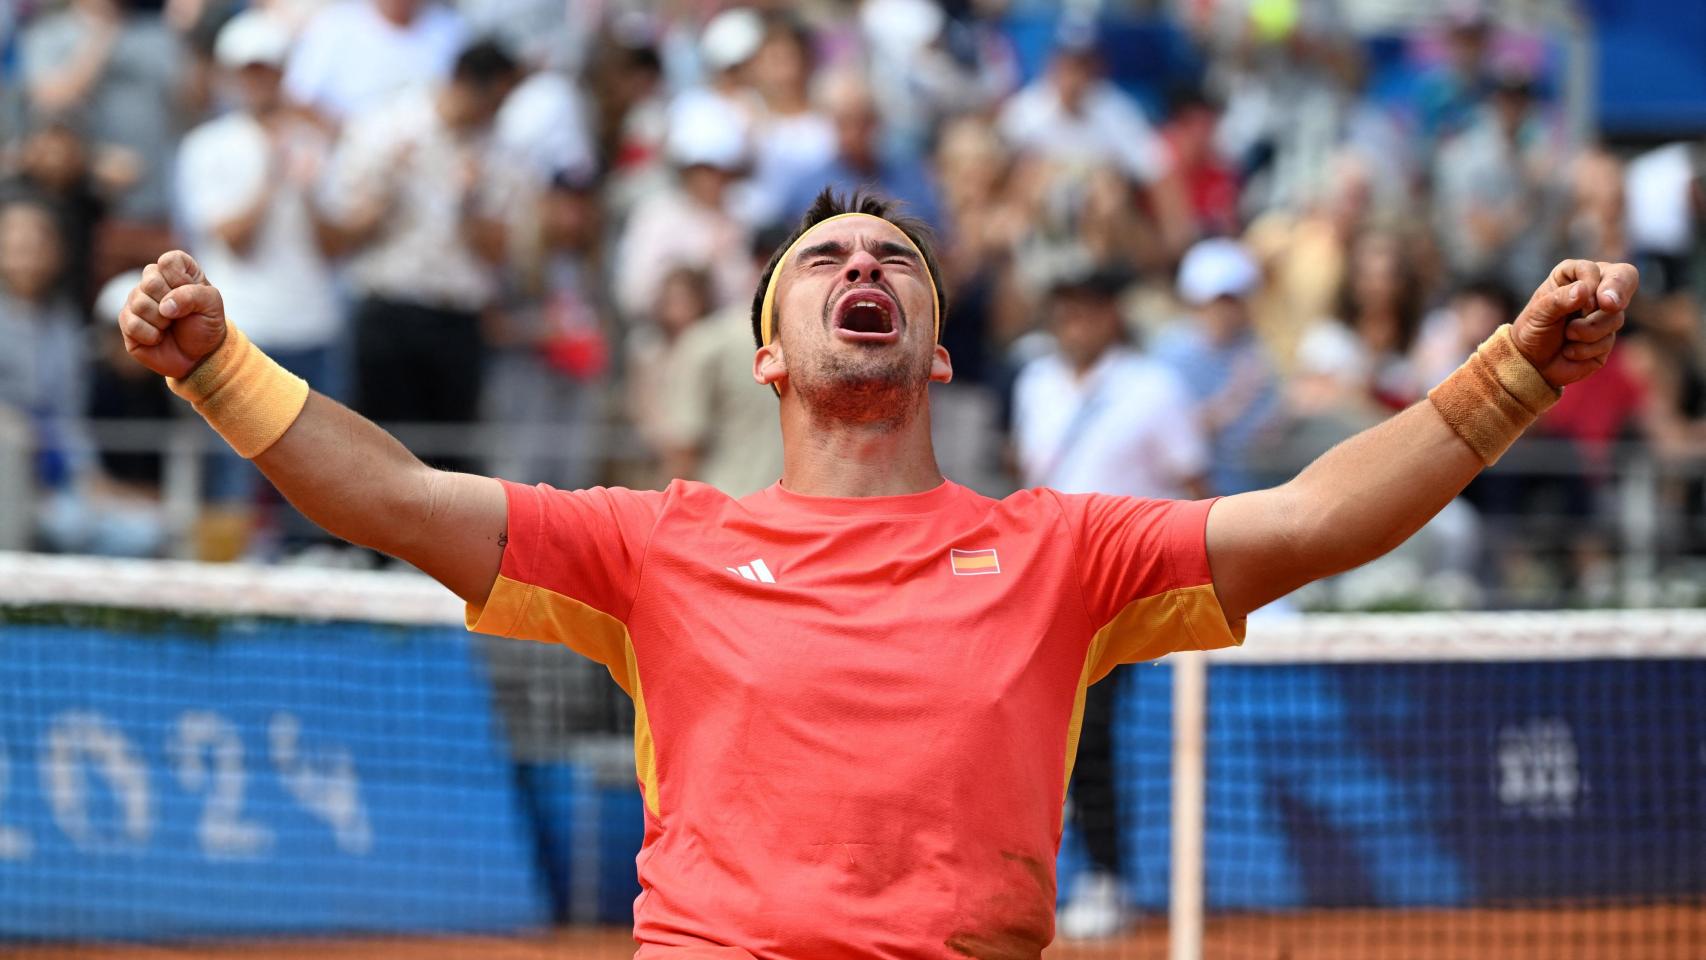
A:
{"points": [[829, 204], [484, 64]]}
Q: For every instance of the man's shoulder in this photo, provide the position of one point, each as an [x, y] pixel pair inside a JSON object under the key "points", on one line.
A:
{"points": [[339, 21], [700, 500], [233, 130], [441, 17], [1177, 341], [660, 208], [730, 325], [1105, 97], [1047, 365], [408, 115], [1034, 103], [1136, 370]]}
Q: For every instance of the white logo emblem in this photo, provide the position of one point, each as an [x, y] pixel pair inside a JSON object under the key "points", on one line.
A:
{"points": [[756, 571], [1539, 770]]}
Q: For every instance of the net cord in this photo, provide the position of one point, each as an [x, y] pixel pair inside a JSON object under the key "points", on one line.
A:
{"points": [[237, 590], [29, 579]]}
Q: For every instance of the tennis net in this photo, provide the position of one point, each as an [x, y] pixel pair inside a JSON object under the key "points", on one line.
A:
{"points": [[234, 756], [1423, 786], [224, 761]]}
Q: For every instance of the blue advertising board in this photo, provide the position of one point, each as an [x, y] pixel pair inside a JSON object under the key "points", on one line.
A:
{"points": [[244, 777], [1410, 785]]}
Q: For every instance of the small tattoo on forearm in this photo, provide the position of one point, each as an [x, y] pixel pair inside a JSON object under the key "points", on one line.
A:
{"points": [[503, 539]]}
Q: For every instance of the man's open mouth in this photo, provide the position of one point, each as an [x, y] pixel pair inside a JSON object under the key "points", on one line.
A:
{"points": [[867, 314]]}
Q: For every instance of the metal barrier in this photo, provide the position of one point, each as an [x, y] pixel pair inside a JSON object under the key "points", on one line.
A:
{"points": [[1641, 502], [14, 482]]}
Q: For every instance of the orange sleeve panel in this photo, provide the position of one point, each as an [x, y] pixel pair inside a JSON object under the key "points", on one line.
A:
{"points": [[1143, 568], [571, 568]]}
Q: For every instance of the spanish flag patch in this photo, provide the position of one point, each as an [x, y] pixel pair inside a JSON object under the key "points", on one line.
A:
{"points": [[971, 563]]}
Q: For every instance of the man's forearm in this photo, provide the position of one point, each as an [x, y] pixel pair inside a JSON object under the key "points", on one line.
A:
{"points": [[358, 482], [346, 474], [343, 472], [1356, 502], [1369, 494]]}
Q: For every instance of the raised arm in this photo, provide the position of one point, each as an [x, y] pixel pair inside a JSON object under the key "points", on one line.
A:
{"points": [[341, 470], [1370, 493]]}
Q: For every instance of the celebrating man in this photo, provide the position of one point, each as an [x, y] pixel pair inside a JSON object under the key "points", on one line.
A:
{"points": [[858, 692]]}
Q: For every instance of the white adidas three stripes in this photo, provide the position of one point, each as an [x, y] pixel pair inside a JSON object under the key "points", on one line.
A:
{"points": [[754, 571]]}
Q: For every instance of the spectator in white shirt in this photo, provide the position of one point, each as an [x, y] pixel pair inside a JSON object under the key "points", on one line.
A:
{"points": [[1075, 120], [793, 137], [355, 55], [1074, 115], [428, 203], [1096, 416], [245, 185]]}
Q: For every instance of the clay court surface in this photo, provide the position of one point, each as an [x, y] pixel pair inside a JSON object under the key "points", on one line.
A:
{"points": [[1656, 933]]}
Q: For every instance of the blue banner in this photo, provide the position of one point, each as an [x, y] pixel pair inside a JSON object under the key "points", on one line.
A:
{"points": [[210, 778], [1416, 785]]}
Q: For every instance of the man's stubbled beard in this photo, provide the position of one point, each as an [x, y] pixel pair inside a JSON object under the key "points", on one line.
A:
{"points": [[877, 387]]}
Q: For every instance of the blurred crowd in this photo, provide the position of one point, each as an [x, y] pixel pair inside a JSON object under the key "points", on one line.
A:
{"points": [[544, 219]]}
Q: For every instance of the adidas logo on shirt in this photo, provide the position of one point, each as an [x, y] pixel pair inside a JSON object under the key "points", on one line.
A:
{"points": [[756, 570]]}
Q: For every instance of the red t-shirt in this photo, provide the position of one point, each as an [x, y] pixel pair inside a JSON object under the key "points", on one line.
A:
{"points": [[855, 717]]}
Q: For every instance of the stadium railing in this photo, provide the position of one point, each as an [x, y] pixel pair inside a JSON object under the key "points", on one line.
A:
{"points": [[1645, 509]]}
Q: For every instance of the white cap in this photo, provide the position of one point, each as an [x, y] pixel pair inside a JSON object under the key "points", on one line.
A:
{"points": [[252, 37], [705, 129], [731, 38], [1217, 268], [902, 28]]}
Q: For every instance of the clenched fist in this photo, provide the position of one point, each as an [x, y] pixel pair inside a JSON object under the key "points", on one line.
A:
{"points": [[1572, 320], [174, 318]]}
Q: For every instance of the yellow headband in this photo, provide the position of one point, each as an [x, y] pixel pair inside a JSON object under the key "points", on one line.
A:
{"points": [[767, 313]]}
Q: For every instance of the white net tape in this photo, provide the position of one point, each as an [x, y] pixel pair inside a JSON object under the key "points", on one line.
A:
{"points": [[226, 589], [1421, 637], [411, 598]]}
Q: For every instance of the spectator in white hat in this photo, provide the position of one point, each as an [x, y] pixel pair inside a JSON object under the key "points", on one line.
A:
{"points": [[689, 223], [723, 89], [1075, 121], [1221, 359], [246, 186], [726, 47]]}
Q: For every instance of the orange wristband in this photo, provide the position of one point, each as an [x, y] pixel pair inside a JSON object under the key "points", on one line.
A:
{"points": [[243, 394], [1493, 397]]}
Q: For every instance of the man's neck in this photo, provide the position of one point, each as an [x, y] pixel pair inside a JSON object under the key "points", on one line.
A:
{"points": [[787, 102], [268, 115], [839, 459], [1083, 369]]}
